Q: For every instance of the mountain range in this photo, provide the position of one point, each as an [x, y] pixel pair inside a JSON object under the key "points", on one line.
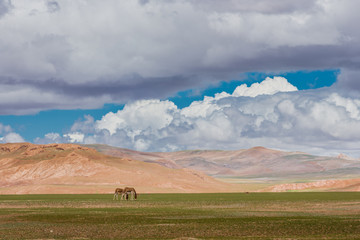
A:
{"points": [[256, 162], [70, 168]]}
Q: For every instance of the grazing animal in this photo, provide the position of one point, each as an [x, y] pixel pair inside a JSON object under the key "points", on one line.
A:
{"points": [[129, 190], [120, 191]]}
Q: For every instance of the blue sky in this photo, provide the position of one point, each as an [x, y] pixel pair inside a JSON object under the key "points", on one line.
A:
{"points": [[168, 75]]}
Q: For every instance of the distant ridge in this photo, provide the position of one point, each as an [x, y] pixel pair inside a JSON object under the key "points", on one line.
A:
{"points": [[68, 168], [301, 171], [254, 162]]}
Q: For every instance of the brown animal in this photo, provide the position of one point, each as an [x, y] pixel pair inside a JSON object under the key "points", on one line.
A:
{"points": [[129, 190], [120, 191]]}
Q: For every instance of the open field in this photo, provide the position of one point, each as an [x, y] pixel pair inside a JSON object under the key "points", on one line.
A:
{"points": [[307, 215]]}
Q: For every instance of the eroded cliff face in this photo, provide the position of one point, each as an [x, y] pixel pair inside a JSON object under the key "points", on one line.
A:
{"points": [[69, 168]]}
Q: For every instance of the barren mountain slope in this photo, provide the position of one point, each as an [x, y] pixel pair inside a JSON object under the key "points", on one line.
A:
{"points": [[258, 166], [253, 162], [68, 168], [328, 185]]}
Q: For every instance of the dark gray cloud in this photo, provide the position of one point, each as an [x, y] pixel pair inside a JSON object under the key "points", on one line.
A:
{"points": [[260, 6], [349, 82], [94, 52], [31, 96], [143, 2], [285, 58], [53, 6], [5, 6]]}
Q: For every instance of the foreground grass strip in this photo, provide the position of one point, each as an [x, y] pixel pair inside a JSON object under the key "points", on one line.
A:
{"points": [[168, 216]]}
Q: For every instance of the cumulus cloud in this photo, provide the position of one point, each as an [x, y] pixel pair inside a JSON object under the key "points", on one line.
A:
{"points": [[8, 136], [317, 121], [12, 138], [75, 137], [55, 53], [52, 138], [158, 114], [267, 87]]}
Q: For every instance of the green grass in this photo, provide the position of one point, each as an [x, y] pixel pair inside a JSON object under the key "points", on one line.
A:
{"points": [[167, 216]]}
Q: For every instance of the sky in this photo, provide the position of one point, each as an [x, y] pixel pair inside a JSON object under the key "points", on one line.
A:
{"points": [[182, 74]]}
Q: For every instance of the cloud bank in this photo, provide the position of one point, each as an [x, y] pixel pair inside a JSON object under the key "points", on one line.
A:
{"points": [[83, 54], [276, 115]]}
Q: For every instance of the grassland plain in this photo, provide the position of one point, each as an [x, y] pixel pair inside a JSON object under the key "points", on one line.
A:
{"points": [[292, 215]]}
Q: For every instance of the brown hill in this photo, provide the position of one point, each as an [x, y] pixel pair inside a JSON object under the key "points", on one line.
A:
{"points": [[68, 168], [257, 162], [259, 167]]}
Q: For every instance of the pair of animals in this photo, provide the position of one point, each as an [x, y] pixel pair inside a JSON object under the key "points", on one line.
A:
{"points": [[125, 193]]}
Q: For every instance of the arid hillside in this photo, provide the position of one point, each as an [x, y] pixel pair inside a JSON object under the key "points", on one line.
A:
{"points": [[259, 168], [67, 168], [249, 163]]}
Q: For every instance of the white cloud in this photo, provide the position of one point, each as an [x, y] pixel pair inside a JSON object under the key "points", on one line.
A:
{"points": [[269, 86], [12, 138], [287, 107], [351, 105], [139, 116], [201, 108], [7, 135], [75, 137], [334, 120], [319, 122], [53, 136]]}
